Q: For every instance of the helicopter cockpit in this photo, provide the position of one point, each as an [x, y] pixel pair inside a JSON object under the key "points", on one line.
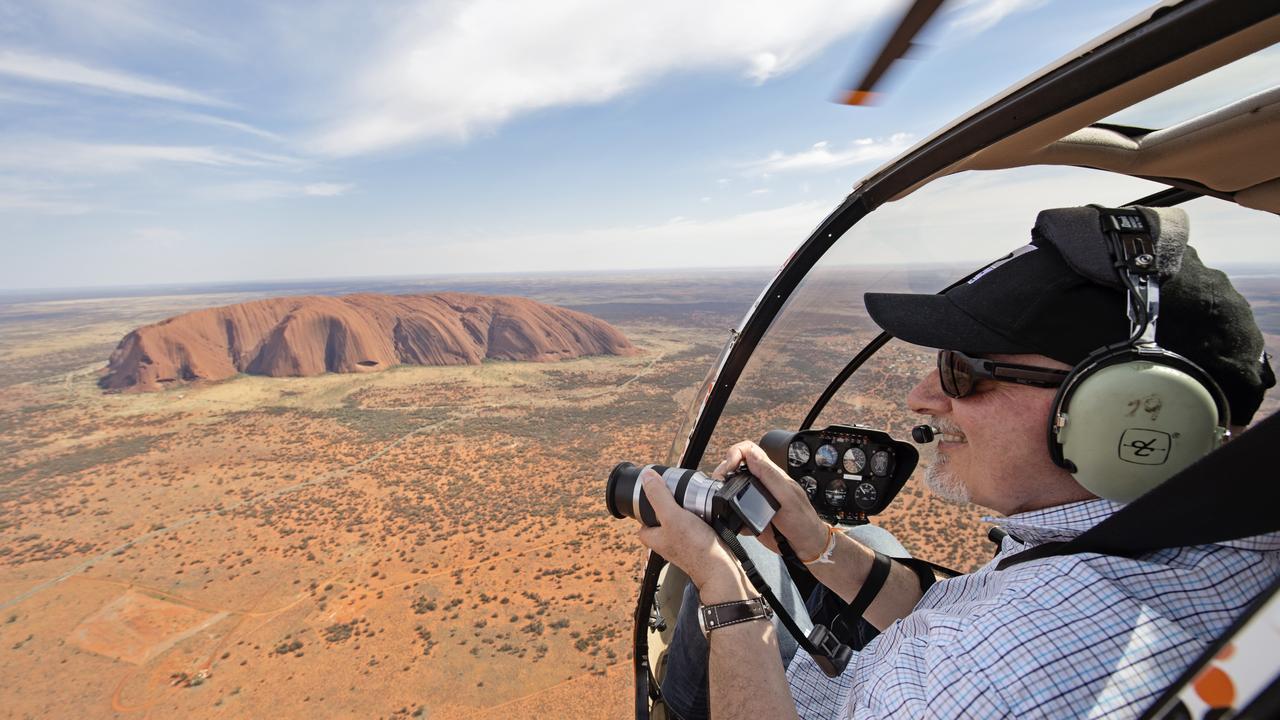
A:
{"points": [[1178, 107]]}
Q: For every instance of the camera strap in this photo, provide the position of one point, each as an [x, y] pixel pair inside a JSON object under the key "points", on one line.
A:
{"points": [[828, 652]]}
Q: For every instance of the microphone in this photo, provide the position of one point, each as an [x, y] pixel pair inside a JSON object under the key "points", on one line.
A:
{"points": [[924, 434]]}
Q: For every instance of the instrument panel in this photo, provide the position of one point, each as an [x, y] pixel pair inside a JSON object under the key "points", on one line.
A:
{"points": [[849, 472]]}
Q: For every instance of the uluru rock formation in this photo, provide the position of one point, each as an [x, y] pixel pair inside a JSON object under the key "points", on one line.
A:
{"points": [[311, 335]]}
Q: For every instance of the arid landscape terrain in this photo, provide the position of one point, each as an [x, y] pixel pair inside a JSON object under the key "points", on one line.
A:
{"points": [[309, 335], [417, 542]]}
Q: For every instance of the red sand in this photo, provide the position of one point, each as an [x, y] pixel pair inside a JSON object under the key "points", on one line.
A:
{"points": [[134, 627]]}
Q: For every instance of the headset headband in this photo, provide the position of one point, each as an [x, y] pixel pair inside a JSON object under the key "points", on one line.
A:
{"points": [[1081, 237], [1135, 255]]}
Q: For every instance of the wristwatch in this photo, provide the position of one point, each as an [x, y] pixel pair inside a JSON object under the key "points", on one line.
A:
{"points": [[711, 617]]}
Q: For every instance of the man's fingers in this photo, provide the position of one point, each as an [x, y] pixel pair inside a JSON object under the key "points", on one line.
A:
{"points": [[771, 475], [718, 473], [659, 496], [732, 459]]}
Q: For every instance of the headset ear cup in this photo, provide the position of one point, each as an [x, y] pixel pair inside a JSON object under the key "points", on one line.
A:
{"points": [[1059, 414], [1097, 360], [1127, 420]]}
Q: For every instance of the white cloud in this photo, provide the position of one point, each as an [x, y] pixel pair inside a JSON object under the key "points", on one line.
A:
{"points": [[90, 158], [975, 16], [325, 189], [821, 156], [216, 121], [42, 197], [125, 22], [450, 72], [59, 71], [18, 201], [255, 190], [157, 238]]}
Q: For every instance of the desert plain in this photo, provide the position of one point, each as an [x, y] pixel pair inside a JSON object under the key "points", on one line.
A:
{"points": [[417, 542]]}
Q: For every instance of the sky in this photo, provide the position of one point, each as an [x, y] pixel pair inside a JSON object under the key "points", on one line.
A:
{"points": [[170, 141]]}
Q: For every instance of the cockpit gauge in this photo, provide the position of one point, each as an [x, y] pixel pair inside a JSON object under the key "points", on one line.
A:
{"points": [[810, 485], [855, 459], [881, 462], [865, 495], [797, 453], [827, 456], [849, 472], [836, 493]]}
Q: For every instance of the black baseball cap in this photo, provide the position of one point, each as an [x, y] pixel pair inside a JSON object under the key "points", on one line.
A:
{"points": [[1033, 301]]}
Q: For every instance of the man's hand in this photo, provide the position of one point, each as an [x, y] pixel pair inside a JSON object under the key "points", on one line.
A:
{"points": [[690, 544], [796, 519]]}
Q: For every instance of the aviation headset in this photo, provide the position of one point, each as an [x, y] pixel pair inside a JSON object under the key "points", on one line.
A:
{"points": [[1132, 414]]}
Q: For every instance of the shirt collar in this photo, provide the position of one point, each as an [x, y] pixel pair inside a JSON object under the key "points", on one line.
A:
{"points": [[1053, 524], [1064, 522]]}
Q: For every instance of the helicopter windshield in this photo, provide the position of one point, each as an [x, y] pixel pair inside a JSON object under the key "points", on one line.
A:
{"points": [[922, 244]]}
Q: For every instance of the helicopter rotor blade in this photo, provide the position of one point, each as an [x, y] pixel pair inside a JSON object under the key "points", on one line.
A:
{"points": [[897, 46]]}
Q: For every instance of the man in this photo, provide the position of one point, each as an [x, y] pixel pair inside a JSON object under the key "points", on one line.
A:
{"points": [[1064, 636]]}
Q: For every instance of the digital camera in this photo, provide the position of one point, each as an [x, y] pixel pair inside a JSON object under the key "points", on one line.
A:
{"points": [[741, 501]]}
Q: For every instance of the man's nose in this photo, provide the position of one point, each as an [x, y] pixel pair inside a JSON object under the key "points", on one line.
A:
{"points": [[927, 396]]}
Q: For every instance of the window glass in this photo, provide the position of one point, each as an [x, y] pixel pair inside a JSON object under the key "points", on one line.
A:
{"points": [[1247, 76], [921, 244]]}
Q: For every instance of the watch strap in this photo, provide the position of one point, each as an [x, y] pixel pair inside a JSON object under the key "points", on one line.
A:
{"points": [[711, 617]]}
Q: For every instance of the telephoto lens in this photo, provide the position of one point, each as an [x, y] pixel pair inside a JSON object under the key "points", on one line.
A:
{"points": [[625, 497], [740, 501]]}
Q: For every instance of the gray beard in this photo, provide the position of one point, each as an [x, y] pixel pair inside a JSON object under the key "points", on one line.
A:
{"points": [[942, 482]]}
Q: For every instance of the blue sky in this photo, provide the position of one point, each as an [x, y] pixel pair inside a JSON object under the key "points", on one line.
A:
{"points": [[175, 142]]}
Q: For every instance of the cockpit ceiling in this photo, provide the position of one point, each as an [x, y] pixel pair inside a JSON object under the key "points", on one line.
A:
{"points": [[1233, 151]]}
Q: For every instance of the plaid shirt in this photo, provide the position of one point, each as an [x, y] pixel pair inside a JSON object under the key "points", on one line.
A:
{"points": [[1069, 636]]}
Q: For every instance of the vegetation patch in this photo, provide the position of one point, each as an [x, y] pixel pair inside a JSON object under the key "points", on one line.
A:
{"points": [[41, 473]]}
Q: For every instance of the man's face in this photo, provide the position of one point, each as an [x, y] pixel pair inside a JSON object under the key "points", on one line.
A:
{"points": [[992, 448]]}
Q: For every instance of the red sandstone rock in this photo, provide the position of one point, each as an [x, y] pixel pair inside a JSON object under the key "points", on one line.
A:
{"points": [[310, 335]]}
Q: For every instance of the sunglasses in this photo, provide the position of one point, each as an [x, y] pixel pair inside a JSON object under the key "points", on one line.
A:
{"points": [[960, 373]]}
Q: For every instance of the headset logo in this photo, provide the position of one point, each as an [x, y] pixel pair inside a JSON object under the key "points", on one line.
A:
{"points": [[1129, 223], [1145, 447]]}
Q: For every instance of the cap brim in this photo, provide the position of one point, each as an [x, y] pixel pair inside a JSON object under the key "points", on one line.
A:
{"points": [[934, 321]]}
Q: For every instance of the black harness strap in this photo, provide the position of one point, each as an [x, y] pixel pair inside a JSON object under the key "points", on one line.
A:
{"points": [[1226, 495], [879, 572]]}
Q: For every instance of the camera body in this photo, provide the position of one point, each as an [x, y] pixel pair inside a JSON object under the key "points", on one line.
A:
{"points": [[739, 502]]}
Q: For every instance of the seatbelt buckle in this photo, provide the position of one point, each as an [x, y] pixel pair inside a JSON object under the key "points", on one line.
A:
{"points": [[832, 656]]}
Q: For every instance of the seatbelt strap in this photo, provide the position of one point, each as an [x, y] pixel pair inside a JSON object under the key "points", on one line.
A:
{"points": [[1226, 495], [881, 565]]}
